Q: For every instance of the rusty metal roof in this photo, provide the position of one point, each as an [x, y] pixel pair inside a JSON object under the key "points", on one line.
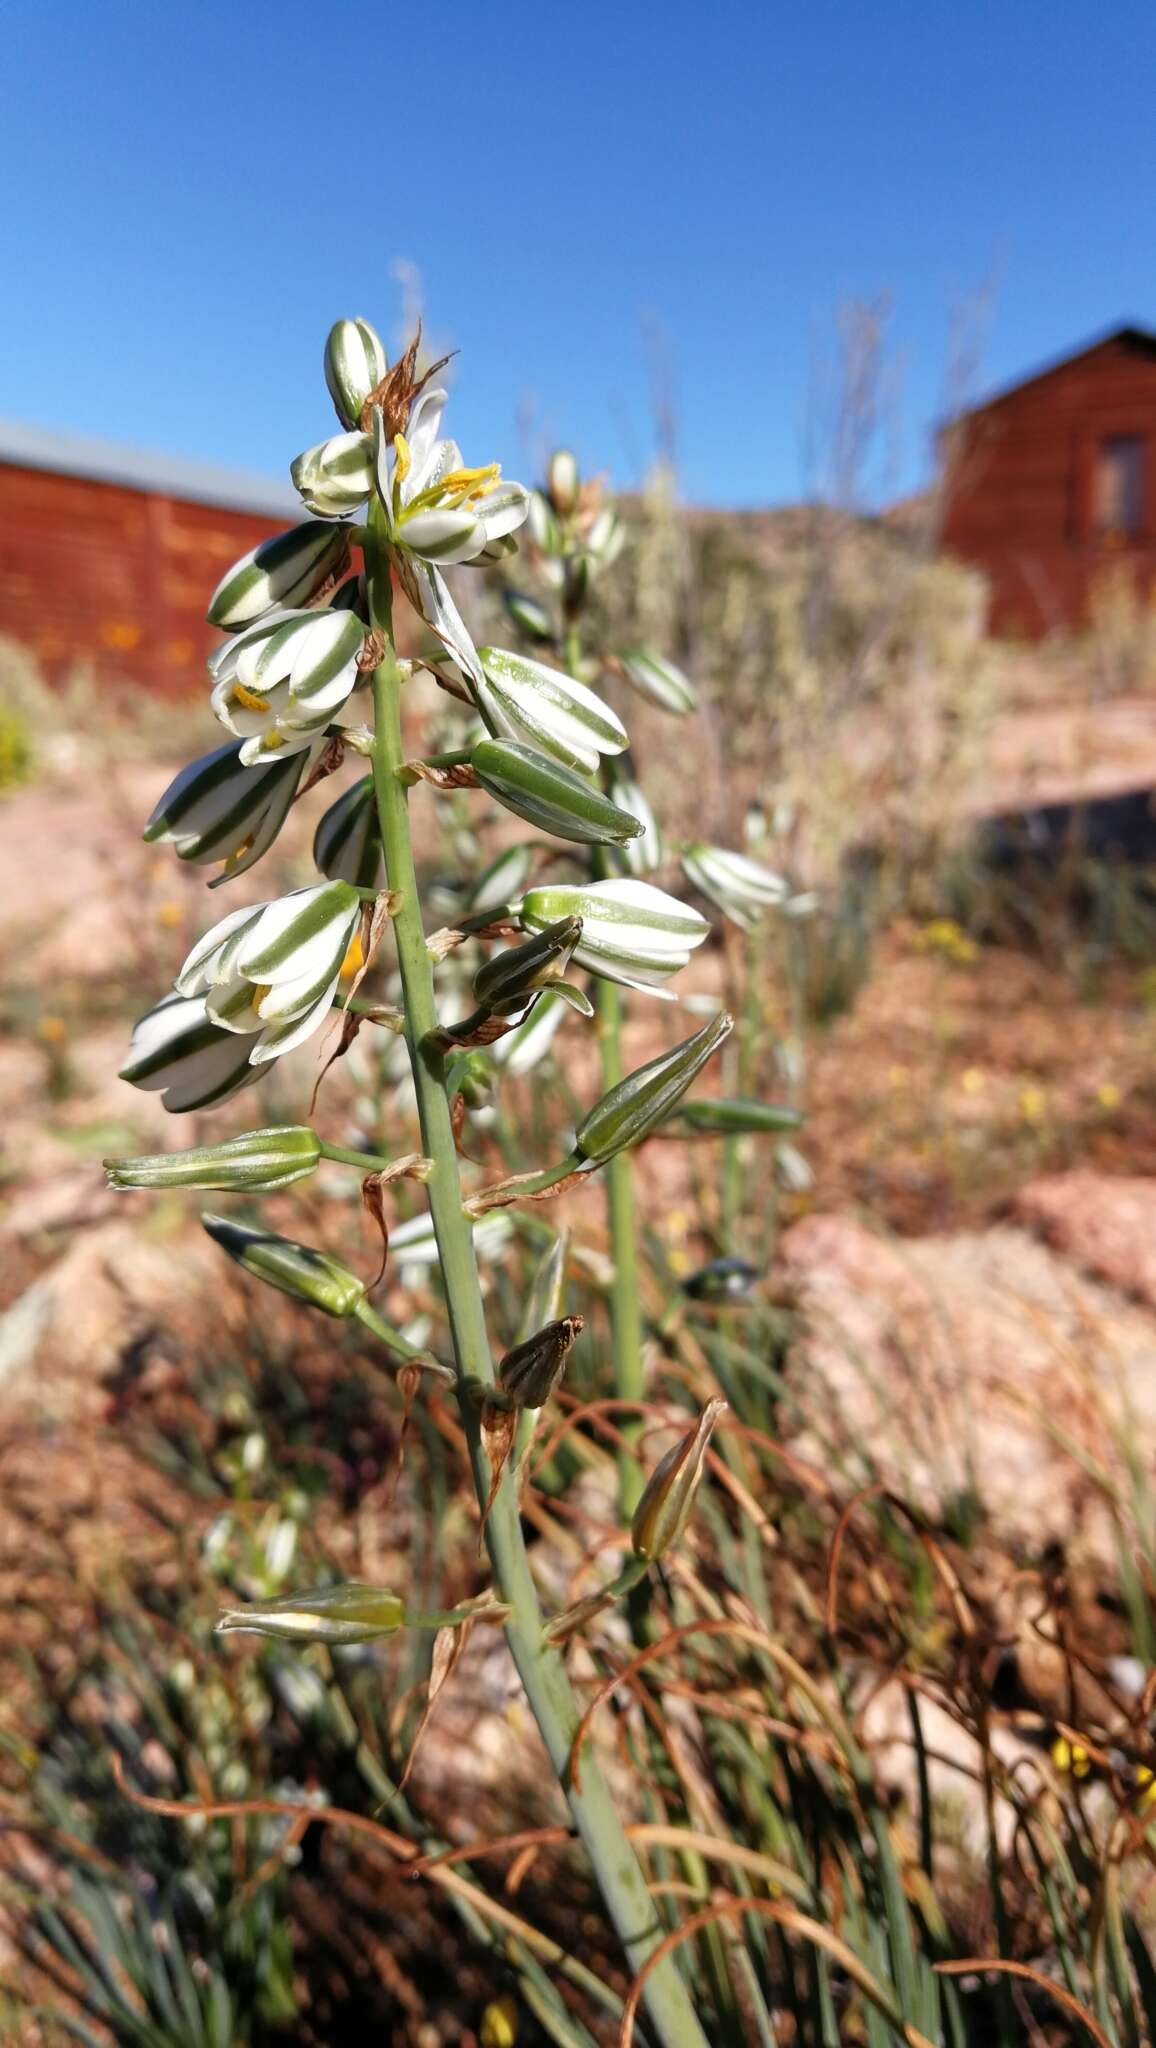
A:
{"points": [[145, 469]]}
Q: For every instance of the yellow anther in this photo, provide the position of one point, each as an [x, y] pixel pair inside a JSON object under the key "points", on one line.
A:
{"points": [[404, 458], [272, 740], [474, 482], [354, 958], [249, 698]]}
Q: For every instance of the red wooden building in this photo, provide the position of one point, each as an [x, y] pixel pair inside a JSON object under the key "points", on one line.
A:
{"points": [[1052, 484], [108, 555]]}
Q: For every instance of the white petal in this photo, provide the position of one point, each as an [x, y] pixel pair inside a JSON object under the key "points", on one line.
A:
{"points": [[200, 970], [283, 1037], [450, 535], [504, 509], [422, 429]]}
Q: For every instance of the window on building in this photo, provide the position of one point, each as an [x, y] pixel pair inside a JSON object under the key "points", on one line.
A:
{"points": [[1119, 494]]}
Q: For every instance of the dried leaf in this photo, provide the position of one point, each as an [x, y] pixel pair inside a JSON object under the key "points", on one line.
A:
{"points": [[449, 1644], [498, 1426]]}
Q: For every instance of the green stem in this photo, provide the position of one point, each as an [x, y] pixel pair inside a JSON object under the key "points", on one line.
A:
{"points": [[616, 1867], [344, 1155], [625, 1307]]}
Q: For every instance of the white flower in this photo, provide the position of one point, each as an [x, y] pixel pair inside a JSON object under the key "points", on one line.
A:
{"points": [[336, 476], [521, 699], [177, 1048], [742, 888], [217, 809], [269, 973], [282, 682], [436, 508], [632, 932]]}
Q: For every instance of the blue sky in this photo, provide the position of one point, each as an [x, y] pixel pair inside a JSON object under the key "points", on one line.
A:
{"points": [[583, 190]]}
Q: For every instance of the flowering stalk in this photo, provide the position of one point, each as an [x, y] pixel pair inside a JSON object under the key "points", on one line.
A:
{"points": [[539, 1663]]}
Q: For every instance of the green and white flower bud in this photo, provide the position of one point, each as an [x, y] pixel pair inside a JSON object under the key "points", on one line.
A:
{"points": [[636, 1107], [742, 888], [523, 700], [532, 617], [548, 795], [218, 809], [529, 1373], [720, 1117], [503, 880], [355, 363], [658, 680], [351, 1613], [530, 1041], [269, 973], [298, 1269], [542, 526], [667, 1499], [508, 980], [179, 1051], [255, 1162], [347, 842], [604, 541], [644, 855], [632, 932], [562, 481], [285, 570], [335, 476]]}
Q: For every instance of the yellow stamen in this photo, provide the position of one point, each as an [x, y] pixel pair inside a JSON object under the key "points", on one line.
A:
{"points": [[404, 458], [249, 698], [473, 481], [273, 740], [260, 990], [354, 958]]}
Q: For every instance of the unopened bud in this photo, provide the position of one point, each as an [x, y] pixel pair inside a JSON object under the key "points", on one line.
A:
{"points": [[285, 570], [529, 1373], [351, 1613], [668, 1496], [730, 1117], [633, 1109], [254, 1161], [355, 363], [562, 481], [296, 1269], [532, 617]]}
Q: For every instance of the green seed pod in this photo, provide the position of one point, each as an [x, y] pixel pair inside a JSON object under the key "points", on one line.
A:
{"points": [[645, 1098], [285, 570], [562, 481], [664, 1508], [347, 842], [548, 796], [723, 1117], [352, 1613], [252, 1162], [508, 980], [529, 1373], [532, 617], [296, 1269], [355, 363], [658, 680]]}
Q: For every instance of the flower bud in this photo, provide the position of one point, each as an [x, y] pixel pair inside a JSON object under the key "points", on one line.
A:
{"points": [[508, 980], [604, 540], [562, 481], [218, 809], [542, 526], [720, 1117], [658, 680], [667, 1499], [529, 1373], [521, 699], [283, 571], [335, 476], [633, 1109], [532, 617], [503, 880], [347, 842], [352, 1613], [644, 855], [549, 796], [355, 363], [742, 888], [632, 932], [255, 1161], [296, 1269]]}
